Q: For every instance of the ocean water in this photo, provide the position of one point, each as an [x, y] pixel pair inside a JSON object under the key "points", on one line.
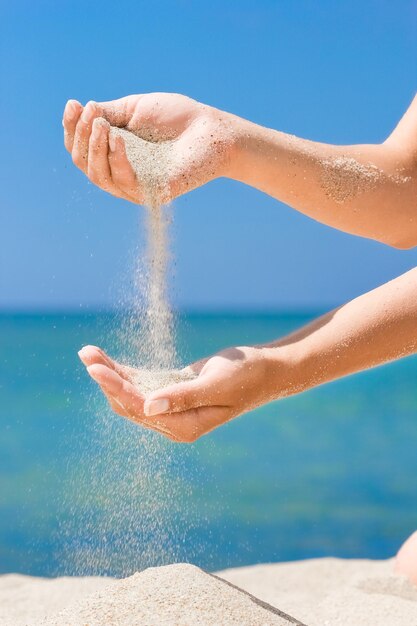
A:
{"points": [[330, 472]]}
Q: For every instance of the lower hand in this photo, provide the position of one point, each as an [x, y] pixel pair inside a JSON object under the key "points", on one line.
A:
{"points": [[228, 384]]}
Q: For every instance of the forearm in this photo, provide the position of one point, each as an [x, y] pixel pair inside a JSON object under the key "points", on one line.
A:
{"points": [[375, 328], [367, 190]]}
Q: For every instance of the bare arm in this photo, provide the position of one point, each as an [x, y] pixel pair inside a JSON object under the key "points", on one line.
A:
{"points": [[366, 190], [375, 328]]}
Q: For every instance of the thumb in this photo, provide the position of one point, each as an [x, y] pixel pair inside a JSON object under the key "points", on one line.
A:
{"points": [[202, 391], [118, 112]]}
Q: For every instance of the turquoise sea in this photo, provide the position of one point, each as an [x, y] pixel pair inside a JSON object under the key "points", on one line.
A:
{"points": [[330, 472]]}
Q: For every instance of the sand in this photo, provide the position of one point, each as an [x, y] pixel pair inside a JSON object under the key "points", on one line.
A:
{"points": [[154, 349], [152, 163], [25, 600], [124, 497], [155, 352], [176, 594], [343, 178], [317, 592], [148, 381], [333, 592], [153, 323], [129, 486]]}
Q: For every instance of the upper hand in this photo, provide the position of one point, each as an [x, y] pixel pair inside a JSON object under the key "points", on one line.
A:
{"points": [[203, 140], [228, 384]]}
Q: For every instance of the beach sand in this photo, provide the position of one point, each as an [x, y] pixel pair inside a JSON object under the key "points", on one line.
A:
{"points": [[318, 592]]}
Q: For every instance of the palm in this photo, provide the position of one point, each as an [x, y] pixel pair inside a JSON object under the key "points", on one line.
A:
{"points": [[116, 382], [196, 406], [198, 150]]}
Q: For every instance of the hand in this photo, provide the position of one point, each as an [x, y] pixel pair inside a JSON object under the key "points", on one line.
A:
{"points": [[202, 137], [228, 384]]}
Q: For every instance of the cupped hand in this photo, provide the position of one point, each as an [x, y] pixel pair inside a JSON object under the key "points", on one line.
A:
{"points": [[226, 385], [202, 140]]}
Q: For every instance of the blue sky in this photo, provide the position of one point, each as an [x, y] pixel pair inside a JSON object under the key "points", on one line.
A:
{"points": [[340, 72]]}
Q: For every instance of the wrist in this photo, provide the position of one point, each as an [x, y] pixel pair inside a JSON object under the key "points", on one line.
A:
{"points": [[230, 133], [288, 370], [241, 151], [260, 155]]}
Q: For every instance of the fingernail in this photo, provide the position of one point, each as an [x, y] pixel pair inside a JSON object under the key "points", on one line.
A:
{"points": [[81, 352], [88, 113], [156, 407], [112, 143]]}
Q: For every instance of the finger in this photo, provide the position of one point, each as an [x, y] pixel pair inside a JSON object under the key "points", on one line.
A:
{"points": [[72, 112], [98, 168], [125, 400], [120, 389], [82, 135], [91, 355], [189, 426], [122, 173], [115, 405], [119, 112], [202, 391], [196, 367]]}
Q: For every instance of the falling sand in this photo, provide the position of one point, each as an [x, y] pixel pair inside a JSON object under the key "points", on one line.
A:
{"points": [[129, 502], [154, 167]]}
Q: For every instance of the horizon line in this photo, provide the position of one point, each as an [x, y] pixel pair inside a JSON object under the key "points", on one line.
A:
{"points": [[84, 311]]}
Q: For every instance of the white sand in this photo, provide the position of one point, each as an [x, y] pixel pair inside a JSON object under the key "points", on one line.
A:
{"points": [[343, 178], [24, 600], [333, 592], [173, 595], [148, 381], [153, 325], [153, 164], [318, 592]]}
